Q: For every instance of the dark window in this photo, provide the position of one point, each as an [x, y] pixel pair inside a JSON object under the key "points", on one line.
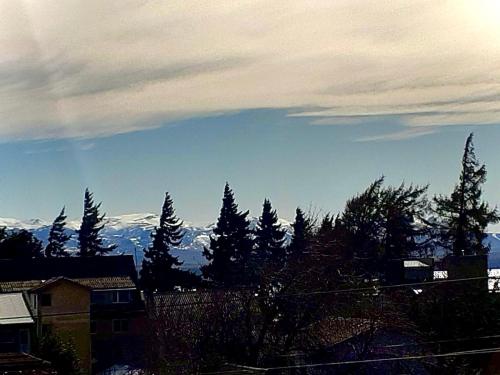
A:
{"points": [[93, 326], [46, 300], [120, 325], [121, 296]]}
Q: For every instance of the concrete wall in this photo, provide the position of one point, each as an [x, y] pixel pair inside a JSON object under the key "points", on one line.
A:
{"points": [[69, 317]]}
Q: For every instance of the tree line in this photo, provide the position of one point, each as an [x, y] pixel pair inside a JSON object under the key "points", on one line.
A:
{"points": [[380, 224], [23, 244], [267, 296], [377, 225]]}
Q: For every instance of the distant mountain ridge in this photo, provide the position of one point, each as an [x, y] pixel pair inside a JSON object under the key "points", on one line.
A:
{"points": [[132, 233]]}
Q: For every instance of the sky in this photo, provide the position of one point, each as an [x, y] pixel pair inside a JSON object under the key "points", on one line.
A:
{"points": [[303, 102]]}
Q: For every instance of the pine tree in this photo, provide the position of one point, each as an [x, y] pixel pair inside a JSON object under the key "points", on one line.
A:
{"points": [[231, 246], [302, 232], [464, 216], [158, 267], [57, 237], [269, 238], [92, 223]]}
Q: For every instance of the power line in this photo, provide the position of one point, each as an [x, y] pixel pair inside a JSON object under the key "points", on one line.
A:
{"points": [[57, 314], [460, 339], [357, 362], [337, 291]]}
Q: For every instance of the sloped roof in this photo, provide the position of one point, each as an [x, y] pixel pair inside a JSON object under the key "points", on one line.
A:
{"points": [[56, 280], [18, 286], [13, 309], [93, 283], [18, 361], [117, 282]]}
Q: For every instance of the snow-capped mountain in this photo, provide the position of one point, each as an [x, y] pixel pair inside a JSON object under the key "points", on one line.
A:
{"points": [[132, 233]]}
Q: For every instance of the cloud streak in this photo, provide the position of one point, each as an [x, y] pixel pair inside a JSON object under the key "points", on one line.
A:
{"points": [[91, 68]]}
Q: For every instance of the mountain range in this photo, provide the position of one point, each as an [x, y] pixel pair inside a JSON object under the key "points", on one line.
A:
{"points": [[132, 233]]}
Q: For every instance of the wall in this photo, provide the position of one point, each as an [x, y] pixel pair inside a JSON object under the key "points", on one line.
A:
{"points": [[69, 317]]}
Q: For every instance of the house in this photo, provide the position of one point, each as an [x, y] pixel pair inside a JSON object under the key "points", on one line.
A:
{"points": [[92, 301], [410, 270], [16, 324], [62, 307]]}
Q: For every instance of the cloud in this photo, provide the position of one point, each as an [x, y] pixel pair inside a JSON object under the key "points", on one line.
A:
{"points": [[92, 68], [399, 136]]}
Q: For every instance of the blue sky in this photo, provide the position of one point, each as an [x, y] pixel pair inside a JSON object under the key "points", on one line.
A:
{"points": [[302, 102], [262, 153]]}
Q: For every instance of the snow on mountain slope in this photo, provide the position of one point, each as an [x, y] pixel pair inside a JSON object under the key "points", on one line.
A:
{"points": [[132, 233]]}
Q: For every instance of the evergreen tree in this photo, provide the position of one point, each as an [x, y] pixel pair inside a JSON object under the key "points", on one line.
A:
{"points": [[158, 267], [464, 216], [57, 237], [269, 238], [92, 223], [380, 224], [302, 233], [20, 244], [325, 228], [231, 246]]}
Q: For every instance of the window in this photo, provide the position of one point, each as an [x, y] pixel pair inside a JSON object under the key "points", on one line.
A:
{"points": [[46, 300], [93, 327], [121, 296], [24, 341], [120, 325]]}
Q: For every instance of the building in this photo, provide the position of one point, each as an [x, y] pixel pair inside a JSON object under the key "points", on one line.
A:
{"points": [[16, 324], [62, 307], [93, 301], [410, 270]]}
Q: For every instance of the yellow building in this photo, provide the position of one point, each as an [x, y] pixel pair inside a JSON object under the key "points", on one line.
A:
{"points": [[63, 308]]}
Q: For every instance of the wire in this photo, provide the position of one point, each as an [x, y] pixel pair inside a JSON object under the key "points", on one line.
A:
{"points": [[322, 292], [460, 339], [340, 291], [55, 314], [390, 359]]}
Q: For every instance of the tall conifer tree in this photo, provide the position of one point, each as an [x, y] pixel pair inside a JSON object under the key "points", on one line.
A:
{"points": [[91, 243], [158, 267], [57, 237], [464, 216], [301, 235], [269, 238], [231, 246]]}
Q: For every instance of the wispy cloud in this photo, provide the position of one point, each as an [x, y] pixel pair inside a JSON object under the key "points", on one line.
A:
{"points": [[93, 68], [399, 135]]}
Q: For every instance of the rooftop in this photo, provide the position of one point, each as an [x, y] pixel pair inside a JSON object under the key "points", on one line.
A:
{"points": [[13, 309], [94, 283]]}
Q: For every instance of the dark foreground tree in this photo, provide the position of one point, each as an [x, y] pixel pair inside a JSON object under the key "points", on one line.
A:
{"points": [[302, 234], [20, 244], [269, 239], [160, 270], [381, 224], [91, 243], [231, 246], [60, 353], [464, 216], [57, 237]]}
